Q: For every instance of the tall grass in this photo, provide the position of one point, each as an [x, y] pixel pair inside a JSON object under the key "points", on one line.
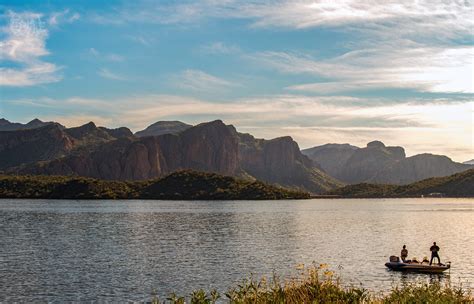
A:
{"points": [[318, 284]]}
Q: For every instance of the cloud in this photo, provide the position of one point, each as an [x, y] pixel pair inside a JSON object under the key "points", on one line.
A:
{"points": [[106, 73], [107, 57], [24, 43], [219, 48], [442, 126], [447, 70], [200, 81], [65, 16], [452, 16], [142, 39]]}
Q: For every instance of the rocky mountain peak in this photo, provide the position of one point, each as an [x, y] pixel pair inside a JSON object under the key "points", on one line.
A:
{"points": [[163, 127], [376, 144]]}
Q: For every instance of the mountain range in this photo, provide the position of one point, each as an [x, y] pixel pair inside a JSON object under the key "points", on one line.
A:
{"points": [[378, 163], [168, 146], [117, 154]]}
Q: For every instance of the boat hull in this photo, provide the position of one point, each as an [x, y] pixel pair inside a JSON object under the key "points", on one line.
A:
{"points": [[422, 268]]}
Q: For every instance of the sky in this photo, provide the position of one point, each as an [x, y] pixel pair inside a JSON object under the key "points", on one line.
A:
{"points": [[319, 71]]}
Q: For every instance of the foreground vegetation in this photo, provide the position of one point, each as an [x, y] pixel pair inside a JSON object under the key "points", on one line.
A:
{"points": [[182, 185], [317, 284], [456, 185]]}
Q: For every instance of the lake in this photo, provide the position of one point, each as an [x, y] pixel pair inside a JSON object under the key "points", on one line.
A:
{"points": [[58, 250]]}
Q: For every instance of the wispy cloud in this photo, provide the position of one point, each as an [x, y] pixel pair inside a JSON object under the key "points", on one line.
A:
{"points": [[425, 69], [452, 16], [310, 120], [399, 44], [107, 57], [106, 73], [219, 48], [142, 39], [24, 43], [201, 81], [65, 16]]}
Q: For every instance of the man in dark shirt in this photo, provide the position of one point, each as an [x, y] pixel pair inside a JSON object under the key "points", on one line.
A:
{"points": [[404, 253], [434, 253]]}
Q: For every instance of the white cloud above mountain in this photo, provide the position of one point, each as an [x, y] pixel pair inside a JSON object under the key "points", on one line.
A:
{"points": [[24, 44], [309, 120]]}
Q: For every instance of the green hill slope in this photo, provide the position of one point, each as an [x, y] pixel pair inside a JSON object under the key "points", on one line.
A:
{"points": [[182, 185], [456, 185]]}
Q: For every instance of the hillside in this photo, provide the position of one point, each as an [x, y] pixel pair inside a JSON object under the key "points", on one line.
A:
{"points": [[181, 185], [381, 164], [211, 147], [6, 125], [457, 185]]}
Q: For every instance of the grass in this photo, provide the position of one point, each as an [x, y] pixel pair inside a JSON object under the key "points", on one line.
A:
{"points": [[318, 284]]}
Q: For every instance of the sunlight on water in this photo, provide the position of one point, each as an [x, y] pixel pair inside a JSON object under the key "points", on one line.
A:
{"points": [[123, 250]]}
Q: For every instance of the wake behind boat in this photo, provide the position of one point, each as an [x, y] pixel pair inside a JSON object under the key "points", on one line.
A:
{"points": [[397, 264]]}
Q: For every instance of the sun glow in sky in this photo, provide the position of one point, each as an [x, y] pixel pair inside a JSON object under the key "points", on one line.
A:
{"points": [[320, 71]]}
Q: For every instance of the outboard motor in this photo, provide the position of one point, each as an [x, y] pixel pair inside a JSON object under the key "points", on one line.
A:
{"points": [[394, 259]]}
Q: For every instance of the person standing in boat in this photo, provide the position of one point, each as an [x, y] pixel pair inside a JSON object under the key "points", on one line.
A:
{"points": [[404, 253], [434, 253]]}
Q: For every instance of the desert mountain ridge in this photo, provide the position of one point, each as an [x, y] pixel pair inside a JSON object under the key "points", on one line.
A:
{"points": [[117, 154], [6, 125], [167, 146], [378, 163]]}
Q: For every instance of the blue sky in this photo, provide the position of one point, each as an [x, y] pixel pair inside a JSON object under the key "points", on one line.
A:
{"points": [[320, 71]]}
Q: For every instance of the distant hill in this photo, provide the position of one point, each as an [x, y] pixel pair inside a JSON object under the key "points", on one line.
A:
{"points": [[163, 127], [469, 162], [6, 125], [211, 147], [378, 163], [182, 185], [456, 185], [331, 157], [52, 141]]}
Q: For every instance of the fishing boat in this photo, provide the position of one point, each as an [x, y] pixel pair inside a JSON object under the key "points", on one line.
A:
{"points": [[395, 263]]}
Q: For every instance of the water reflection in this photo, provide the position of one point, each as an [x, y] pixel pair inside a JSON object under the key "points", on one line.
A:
{"points": [[123, 250]]}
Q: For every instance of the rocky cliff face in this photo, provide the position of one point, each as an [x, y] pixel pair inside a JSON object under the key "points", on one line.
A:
{"points": [[280, 161], [212, 147], [418, 167], [331, 157], [52, 141], [206, 147], [378, 163], [32, 145], [366, 162]]}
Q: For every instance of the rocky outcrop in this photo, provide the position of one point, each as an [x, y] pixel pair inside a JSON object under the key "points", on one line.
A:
{"points": [[89, 134], [378, 163], [418, 167], [52, 141], [6, 125], [331, 157], [207, 147], [163, 127], [366, 162], [33, 145], [280, 161], [212, 147], [118, 132]]}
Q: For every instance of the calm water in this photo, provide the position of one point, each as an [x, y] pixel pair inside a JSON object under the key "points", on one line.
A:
{"points": [[123, 250]]}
